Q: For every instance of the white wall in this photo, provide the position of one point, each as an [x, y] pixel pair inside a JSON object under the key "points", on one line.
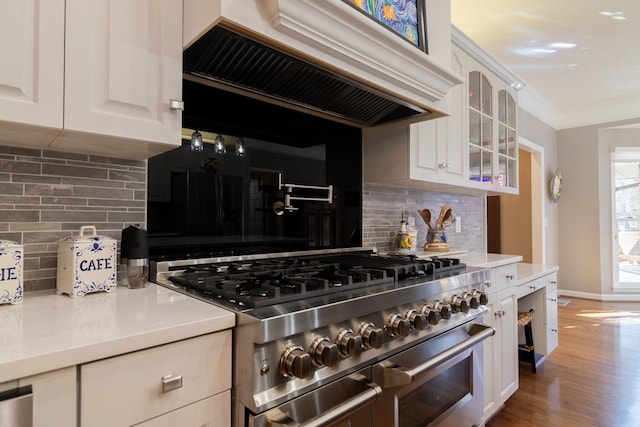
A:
{"points": [[585, 207]]}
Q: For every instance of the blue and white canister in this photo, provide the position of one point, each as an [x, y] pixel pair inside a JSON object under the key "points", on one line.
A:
{"points": [[86, 263], [11, 267]]}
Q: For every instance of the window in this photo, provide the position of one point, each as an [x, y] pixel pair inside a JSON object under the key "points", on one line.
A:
{"points": [[625, 177]]}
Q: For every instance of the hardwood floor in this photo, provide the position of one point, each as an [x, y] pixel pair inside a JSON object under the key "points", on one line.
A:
{"points": [[591, 379]]}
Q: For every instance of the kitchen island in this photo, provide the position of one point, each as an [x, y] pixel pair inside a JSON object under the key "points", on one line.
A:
{"points": [[56, 344]]}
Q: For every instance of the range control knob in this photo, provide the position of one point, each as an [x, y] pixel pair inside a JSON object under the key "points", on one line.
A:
{"points": [[372, 337], [323, 352], [471, 299], [295, 362], [348, 343], [443, 309], [417, 320], [459, 304], [398, 326], [433, 316], [481, 296]]}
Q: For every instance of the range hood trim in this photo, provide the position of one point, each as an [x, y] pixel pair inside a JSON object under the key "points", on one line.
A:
{"points": [[412, 73], [325, 35]]}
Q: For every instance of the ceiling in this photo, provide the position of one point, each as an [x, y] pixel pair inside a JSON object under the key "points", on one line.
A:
{"points": [[579, 59]]}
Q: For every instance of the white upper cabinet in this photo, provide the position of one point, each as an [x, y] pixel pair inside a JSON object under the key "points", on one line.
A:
{"points": [[474, 150], [438, 145], [424, 155], [491, 125], [98, 75], [123, 69], [492, 141], [31, 71]]}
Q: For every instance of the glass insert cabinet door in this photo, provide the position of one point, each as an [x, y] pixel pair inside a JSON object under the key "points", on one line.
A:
{"points": [[480, 128], [507, 148], [493, 149]]}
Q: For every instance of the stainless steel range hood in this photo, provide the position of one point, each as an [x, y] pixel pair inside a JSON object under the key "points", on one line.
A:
{"points": [[322, 58]]}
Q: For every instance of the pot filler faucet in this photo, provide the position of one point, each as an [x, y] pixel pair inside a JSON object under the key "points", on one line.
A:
{"points": [[289, 196]]}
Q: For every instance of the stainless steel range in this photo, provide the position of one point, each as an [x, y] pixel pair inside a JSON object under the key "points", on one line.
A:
{"points": [[346, 337]]}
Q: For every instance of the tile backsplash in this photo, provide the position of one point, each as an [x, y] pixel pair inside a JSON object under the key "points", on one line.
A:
{"points": [[384, 207], [48, 195]]}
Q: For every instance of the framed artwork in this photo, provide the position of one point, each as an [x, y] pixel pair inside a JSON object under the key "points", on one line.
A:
{"points": [[406, 18]]}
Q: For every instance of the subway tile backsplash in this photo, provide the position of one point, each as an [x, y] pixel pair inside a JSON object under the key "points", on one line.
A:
{"points": [[48, 195]]}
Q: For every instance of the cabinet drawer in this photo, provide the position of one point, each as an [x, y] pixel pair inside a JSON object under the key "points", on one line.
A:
{"points": [[210, 412], [129, 389], [504, 276], [530, 287]]}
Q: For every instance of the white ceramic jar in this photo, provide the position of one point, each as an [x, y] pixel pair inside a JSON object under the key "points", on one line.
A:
{"points": [[11, 267], [86, 263]]}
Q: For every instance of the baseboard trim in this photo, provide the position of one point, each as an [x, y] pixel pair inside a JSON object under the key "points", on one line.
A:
{"points": [[600, 297]]}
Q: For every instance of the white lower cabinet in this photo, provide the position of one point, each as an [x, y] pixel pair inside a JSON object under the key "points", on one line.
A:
{"points": [[188, 380], [501, 350], [541, 295], [211, 412], [54, 396]]}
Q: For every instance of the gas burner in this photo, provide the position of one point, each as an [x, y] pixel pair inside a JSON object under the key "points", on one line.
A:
{"points": [[262, 282]]}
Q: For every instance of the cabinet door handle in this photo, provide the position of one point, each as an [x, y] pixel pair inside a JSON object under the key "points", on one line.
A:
{"points": [[554, 330], [553, 300], [443, 165], [532, 287], [510, 276], [487, 284], [176, 104], [171, 382], [553, 282]]}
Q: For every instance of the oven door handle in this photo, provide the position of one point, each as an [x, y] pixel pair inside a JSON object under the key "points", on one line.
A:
{"points": [[277, 418], [394, 375]]}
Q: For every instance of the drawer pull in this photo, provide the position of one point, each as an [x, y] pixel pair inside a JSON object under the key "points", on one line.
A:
{"points": [[509, 276], [176, 104], [171, 382]]}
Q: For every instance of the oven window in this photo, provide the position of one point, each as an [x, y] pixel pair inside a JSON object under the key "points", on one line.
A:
{"points": [[431, 399]]}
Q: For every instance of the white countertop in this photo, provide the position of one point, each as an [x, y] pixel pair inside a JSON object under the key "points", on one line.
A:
{"points": [[486, 260], [49, 331], [528, 272]]}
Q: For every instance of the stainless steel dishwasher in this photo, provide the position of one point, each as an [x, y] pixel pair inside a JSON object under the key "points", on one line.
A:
{"points": [[16, 407]]}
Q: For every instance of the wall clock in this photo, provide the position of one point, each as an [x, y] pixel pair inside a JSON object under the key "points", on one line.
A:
{"points": [[555, 185]]}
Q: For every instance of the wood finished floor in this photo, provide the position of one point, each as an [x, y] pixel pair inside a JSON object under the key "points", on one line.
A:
{"points": [[591, 379]]}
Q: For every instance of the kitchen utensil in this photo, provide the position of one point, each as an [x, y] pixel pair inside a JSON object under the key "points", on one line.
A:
{"points": [[426, 216], [11, 267], [86, 263]]}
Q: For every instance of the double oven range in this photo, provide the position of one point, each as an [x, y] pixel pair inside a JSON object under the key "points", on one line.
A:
{"points": [[346, 337]]}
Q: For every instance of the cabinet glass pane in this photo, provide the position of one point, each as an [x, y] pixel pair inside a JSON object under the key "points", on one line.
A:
{"points": [[511, 143], [511, 111], [502, 106], [487, 136], [506, 172], [486, 96], [502, 139], [474, 90], [475, 157], [474, 127], [512, 173], [487, 167], [502, 171]]}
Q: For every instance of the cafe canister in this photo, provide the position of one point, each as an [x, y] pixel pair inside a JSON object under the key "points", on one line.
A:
{"points": [[11, 267], [86, 263]]}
